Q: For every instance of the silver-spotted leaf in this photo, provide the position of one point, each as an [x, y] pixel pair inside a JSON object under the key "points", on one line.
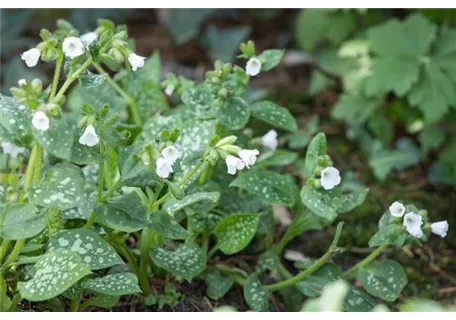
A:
{"points": [[316, 148], [256, 295], [117, 284], [165, 224], [275, 115], [323, 203], [217, 285], [22, 221], [270, 58], [206, 200], [57, 140], [234, 114], [16, 119]]}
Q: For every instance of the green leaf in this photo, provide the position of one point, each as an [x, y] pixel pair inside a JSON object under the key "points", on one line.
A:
{"points": [[280, 157], [81, 154], [5, 301], [224, 50], [94, 251], [186, 261], [431, 137], [358, 301], [234, 113], [54, 273], [217, 285], [124, 213], [62, 188], [270, 58], [268, 186], [323, 203], [117, 284], [382, 160], [97, 97], [352, 200], [91, 80], [165, 224], [147, 95], [256, 295], [313, 285], [22, 221], [151, 69], [235, 232], [132, 170], [384, 279], [206, 200], [354, 109], [271, 113], [399, 47], [104, 301], [184, 24], [393, 234], [57, 140], [316, 148], [16, 119]]}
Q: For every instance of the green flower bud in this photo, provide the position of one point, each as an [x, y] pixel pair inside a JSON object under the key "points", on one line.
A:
{"points": [[104, 111], [117, 55], [226, 141], [318, 170], [175, 135], [110, 61], [223, 93], [324, 161], [83, 122], [424, 214], [45, 34], [53, 108], [317, 183], [122, 35], [49, 54], [64, 25], [37, 85], [18, 92], [176, 190], [232, 149], [88, 109], [310, 182]]}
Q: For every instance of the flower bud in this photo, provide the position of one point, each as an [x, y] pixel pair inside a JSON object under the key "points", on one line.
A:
{"points": [[424, 214], [318, 170], [49, 54], [18, 92], [232, 149], [83, 122], [53, 108], [176, 190], [65, 25], [226, 141], [324, 161], [223, 93], [45, 34], [122, 35], [117, 55], [88, 109], [317, 183], [37, 85]]}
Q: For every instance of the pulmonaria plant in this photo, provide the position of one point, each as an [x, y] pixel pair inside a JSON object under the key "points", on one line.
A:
{"points": [[180, 176]]}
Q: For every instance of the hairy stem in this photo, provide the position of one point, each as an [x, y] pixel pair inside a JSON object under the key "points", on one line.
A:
{"points": [[70, 80], [365, 261], [55, 81]]}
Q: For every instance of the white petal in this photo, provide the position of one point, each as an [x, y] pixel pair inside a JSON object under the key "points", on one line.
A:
{"points": [[72, 47], [31, 57], [169, 90], [136, 61], [330, 177], [412, 223], [163, 168], [249, 157], [440, 228], [12, 149], [171, 154], [89, 137], [233, 164], [88, 38], [40, 121], [269, 140], [397, 209], [253, 67], [22, 82]]}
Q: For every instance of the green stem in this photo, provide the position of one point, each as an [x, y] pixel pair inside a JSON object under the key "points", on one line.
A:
{"points": [[314, 267], [70, 80], [131, 102], [38, 165], [155, 197], [29, 172], [149, 238], [212, 252], [288, 236], [128, 255], [74, 305], [111, 190], [365, 261], [16, 299], [4, 249], [13, 255], [184, 180], [55, 82]]}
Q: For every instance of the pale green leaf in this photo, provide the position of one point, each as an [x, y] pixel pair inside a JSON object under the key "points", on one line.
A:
{"points": [[256, 295], [22, 221], [275, 115], [117, 284], [234, 114]]}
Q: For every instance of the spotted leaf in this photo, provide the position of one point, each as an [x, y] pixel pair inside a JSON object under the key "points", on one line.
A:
{"points": [[22, 221], [217, 285], [277, 116], [58, 140], [117, 284], [16, 119], [206, 201], [316, 148], [234, 114], [256, 295], [165, 224]]}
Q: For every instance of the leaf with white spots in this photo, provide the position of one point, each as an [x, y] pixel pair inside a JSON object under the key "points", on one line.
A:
{"points": [[117, 284], [165, 224], [57, 140], [54, 273], [269, 186], [94, 251], [352, 200], [271, 58], [186, 261], [62, 188], [132, 170], [316, 148], [235, 232], [394, 234], [323, 203], [82, 154], [83, 210], [358, 301], [104, 301], [256, 295], [205, 200], [16, 119], [22, 221], [383, 279], [125, 213], [277, 116], [234, 114], [217, 285], [156, 124]]}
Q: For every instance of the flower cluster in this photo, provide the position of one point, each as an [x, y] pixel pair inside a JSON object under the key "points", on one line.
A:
{"points": [[246, 159], [164, 164], [413, 221]]}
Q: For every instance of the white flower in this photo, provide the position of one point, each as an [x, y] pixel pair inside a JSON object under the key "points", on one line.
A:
{"points": [[171, 154], [163, 168], [330, 178], [136, 61], [40, 121], [31, 57], [72, 47], [270, 140], [169, 90], [253, 67], [397, 209], [440, 228], [412, 223], [249, 156], [88, 38], [233, 164], [89, 137], [22, 82], [12, 149]]}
